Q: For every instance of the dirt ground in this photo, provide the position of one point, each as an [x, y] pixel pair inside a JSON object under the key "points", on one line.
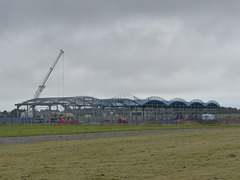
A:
{"points": [[46, 138]]}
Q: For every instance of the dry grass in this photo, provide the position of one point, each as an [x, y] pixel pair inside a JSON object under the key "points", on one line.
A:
{"points": [[201, 155]]}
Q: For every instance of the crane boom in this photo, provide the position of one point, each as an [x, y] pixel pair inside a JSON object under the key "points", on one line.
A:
{"points": [[42, 86]]}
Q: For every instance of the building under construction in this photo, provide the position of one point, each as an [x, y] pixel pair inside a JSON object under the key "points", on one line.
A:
{"points": [[85, 109], [90, 110]]}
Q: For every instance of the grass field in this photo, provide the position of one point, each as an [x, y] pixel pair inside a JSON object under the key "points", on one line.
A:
{"points": [[212, 154], [34, 130]]}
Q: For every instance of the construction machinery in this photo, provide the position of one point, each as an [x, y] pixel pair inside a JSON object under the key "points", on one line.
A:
{"points": [[42, 86]]}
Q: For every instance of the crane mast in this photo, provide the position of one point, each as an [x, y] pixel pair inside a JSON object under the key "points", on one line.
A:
{"points": [[42, 86]]}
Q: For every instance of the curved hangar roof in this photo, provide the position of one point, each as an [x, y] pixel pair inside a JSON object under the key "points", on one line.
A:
{"points": [[153, 101], [177, 101]]}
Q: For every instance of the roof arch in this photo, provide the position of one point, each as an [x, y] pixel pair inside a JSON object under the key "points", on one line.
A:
{"points": [[177, 101], [196, 103], [155, 104], [212, 103], [156, 98]]}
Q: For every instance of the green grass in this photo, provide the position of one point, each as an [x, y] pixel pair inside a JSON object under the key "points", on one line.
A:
{"points": [[34, 130], [196, 155]]}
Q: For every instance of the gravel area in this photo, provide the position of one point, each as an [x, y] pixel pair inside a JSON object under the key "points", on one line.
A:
{"points": [[46, 138]]}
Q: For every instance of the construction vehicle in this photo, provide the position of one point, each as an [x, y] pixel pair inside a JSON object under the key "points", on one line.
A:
{"points": [[42, 85], [122, 120]]}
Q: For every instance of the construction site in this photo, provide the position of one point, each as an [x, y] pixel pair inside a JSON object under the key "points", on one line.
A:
{"points": [[120, 109], [90, 110]]}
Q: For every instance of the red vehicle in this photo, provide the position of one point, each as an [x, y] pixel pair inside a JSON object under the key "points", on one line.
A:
{"points": [[106, 120], [122, 120], [62, 120]]}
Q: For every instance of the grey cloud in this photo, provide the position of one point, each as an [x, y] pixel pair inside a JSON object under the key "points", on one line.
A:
{"points": [[168, 48]]}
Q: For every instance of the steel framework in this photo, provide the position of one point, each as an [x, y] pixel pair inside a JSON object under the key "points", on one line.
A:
{"points": [[90, 110]]}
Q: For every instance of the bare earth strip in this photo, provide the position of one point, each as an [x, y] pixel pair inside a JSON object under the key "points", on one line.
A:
{"points": [[46, 138]]}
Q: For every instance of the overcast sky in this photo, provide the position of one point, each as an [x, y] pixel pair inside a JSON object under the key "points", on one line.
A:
{"points": [[188, 49]]}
